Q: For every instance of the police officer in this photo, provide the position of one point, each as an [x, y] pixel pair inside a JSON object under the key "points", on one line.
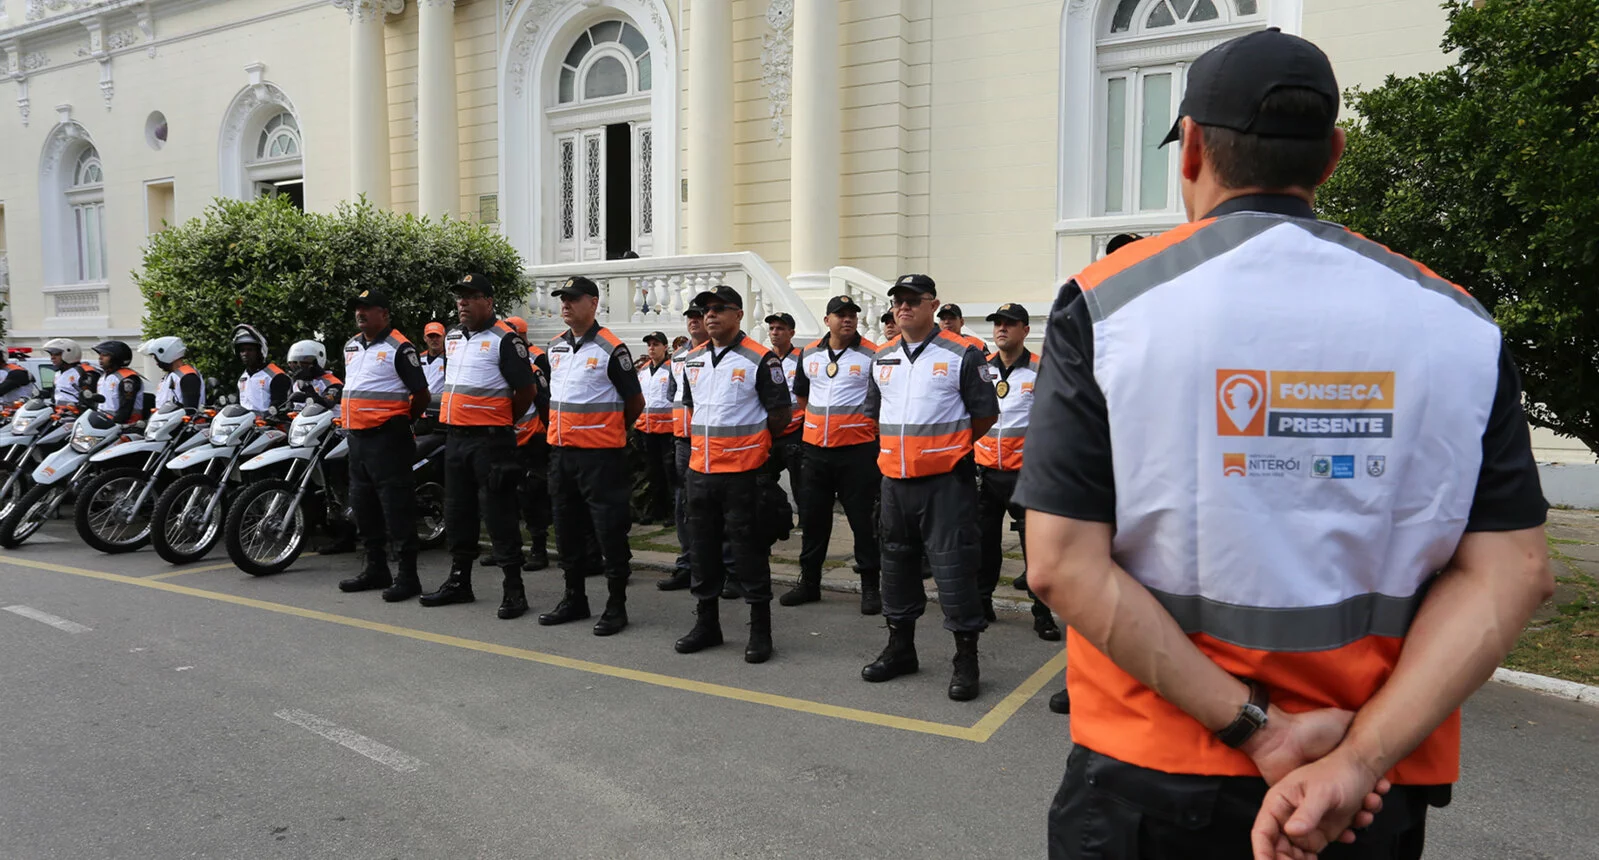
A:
{"points": [[182, 383], [16, 382], [433, 363], [386, 390], [74, 376], [787, 449], [832, 378], [594, 398], [488, 383], [312, 381], [655, 426], [263, 386], [738, 401], [890, 327], [952, 320], [931, 397], [533, 449], [1013, 371], [121, 393], [682, 570]]}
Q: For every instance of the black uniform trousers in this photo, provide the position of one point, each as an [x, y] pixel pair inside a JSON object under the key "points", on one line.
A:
{"points": [[589, 499], [480, 476], [383, 487], [935, 515], [685, 543], [723, 507], [849, 474], [660, 470], [533, 494], [788, 454], [994, 490], [1107, 809]]}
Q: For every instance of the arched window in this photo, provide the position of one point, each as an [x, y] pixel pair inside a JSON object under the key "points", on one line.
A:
{"points": [[262, 151], [86, 201], [280, 138], [1142, 55], [608, 60]]}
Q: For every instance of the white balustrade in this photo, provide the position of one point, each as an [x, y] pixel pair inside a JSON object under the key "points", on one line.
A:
{"points": [[868, 291]]}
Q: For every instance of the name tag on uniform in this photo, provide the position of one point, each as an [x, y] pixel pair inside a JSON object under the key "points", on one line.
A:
{"points": [[888, 361], [696, 364], [562, 348]]}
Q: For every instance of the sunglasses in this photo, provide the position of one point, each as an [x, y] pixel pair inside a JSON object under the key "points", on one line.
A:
{"points": [[721, 309], [904, 301]]}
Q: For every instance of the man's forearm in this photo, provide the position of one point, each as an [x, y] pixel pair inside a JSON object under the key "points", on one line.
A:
{"points": [[981, 426], [1467, 623], [777, 420]]}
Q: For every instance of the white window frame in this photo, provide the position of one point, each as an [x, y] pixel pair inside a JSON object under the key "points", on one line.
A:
{"points": [[87, 204]]}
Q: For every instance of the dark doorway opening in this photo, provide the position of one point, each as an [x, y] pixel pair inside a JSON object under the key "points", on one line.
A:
{"points": [[618, 190]]}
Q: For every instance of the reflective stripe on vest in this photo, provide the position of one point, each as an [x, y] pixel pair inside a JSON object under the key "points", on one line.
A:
{"points": [[585, 408], [1002, 447], [530, 424], [433, 371], [476, 394], [656, 384], [679, 386], [923, 425], [255, 389], [375, 394], [835, 411], [1285, 491], [111, 390], [728, 423]]}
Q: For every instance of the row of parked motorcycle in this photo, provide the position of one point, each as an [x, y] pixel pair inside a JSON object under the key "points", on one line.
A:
{"points": [[182, 479]]}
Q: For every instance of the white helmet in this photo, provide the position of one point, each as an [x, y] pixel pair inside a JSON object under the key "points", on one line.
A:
{"points": [[71, 353], [165, 349], [309, 350]]}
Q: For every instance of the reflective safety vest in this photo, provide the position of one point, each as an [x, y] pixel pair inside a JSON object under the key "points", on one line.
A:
{"points": [[1285, 491], [790, 370], [679, 386], [23, 391], [111, 390], [728, 423], [433, 370], [835, 411], [530, 424], [585, 408], [374, 395], [171, 390], [69, 382], [657, 386], [255, 389], [476, 394], [923, 426], [1002, 447]]}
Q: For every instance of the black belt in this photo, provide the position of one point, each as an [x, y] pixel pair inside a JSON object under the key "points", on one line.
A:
{"points": [[478, 431]]}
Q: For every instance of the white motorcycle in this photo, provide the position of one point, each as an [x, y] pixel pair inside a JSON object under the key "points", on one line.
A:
{"points": [[36, 427], [190, 514], [59, 475], [113, 513], [267, 527]]}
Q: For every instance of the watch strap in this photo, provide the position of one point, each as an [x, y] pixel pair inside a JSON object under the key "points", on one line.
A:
{"points": [[1251, 716]]}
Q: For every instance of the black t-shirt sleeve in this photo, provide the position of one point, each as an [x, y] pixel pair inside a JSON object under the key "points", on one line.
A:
{"points": [[688, 389], [542, 362], [189, 390], [802, 383], [14, 380], [282, 386], [130, 397], [1067, 471], [1509, 495], [408, 366], [771, 384], [976, 390], [623, 373], [874, 395], [514, 364]]}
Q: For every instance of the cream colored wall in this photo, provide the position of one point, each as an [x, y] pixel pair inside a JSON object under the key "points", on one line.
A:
{"points": [[1367, 40], [192, 81]]}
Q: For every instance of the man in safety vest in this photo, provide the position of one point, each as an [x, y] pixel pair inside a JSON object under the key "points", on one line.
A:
{"points": [[738, 401], [263, 386], [682, 570], [74, 376], [787, 449], [1286, 553], [121, 395], [182, 384], [533, 448], [433, 363], [890, 326], [952, 320], [831, 380], [594, 398], [1013, 371], [385, 389], [654, 427], [489, 382], [16, 382], [931, 398]]}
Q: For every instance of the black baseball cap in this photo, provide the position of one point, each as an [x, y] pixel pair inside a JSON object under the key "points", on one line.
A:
{"points": [[693, 310], [842, 304], [1228, 84], [577, 286], [1120, 241], [950, 310], [475, 281], [914, 283], [369, 299], [888, 317], [785, 319], [1011, 312], [722, 294], [656, 337]]}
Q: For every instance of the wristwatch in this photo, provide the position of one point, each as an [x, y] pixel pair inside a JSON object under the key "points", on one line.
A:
{"points": [[1251, 717]]}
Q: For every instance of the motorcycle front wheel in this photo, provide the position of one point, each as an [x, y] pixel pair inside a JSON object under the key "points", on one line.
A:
{"points": [[30, 513], [104, 517], [180, 531], [266, 530]]}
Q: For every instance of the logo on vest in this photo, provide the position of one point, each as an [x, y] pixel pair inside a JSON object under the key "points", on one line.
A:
{"points": [[854, 370], [592, 363], [738, 374], [1305, 404], [1340, 466], [1239, 465], [941, 368], [884, 371], [1376, 465]]}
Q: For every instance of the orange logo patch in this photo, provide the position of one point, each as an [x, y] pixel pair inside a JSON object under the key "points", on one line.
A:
{"points": [[738, 374], [884, 372], [1241, 402], [941, 368], [1308, 389], [854, 370], [1234, 465], [591, 363]]}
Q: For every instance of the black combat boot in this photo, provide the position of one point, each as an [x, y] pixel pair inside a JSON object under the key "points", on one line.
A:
{"points": [[808, 590], [574, 606], [679, 580], [1044, 623], [1020, 582], [456, 589], [963, 684], [1061, 703], [871, 592], [707, 628], [406, 584], [614, 618], [374, 575], [759, 649], [514, 603], [898, 658], [538, 555]]}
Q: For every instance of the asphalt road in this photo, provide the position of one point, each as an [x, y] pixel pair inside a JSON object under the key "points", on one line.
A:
{"points": [[213, 715]]}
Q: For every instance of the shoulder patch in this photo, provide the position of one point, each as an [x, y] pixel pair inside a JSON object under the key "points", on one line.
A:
{"points": [[623, 357], [414, 359], [777, 374], [521, 348]]}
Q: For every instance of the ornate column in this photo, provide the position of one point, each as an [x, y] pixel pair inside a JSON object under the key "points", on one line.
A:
{"points": [[369, 99], [710, 127], [438, 151], [815, 157]]}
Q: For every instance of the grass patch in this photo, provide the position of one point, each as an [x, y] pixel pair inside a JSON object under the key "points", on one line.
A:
{"points": [[1564, 644]]}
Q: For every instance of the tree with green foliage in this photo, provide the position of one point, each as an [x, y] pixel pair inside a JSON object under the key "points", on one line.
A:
{"points": [[1488, 172], [291, 275]]}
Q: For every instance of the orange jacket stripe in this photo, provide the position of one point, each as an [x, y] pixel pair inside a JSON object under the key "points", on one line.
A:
{"points": [[1137, 252]]}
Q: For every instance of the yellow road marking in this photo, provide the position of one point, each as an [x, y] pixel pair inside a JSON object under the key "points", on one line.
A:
{"points": [[209, 568], [979, 733]]}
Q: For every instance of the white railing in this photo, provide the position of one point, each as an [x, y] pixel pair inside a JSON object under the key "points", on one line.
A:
{"points": [[5, 289], [868, 291], [650, 293]]}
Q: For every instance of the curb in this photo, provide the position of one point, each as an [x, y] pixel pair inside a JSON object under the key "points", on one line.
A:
{"points": [[1569, 690]]}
